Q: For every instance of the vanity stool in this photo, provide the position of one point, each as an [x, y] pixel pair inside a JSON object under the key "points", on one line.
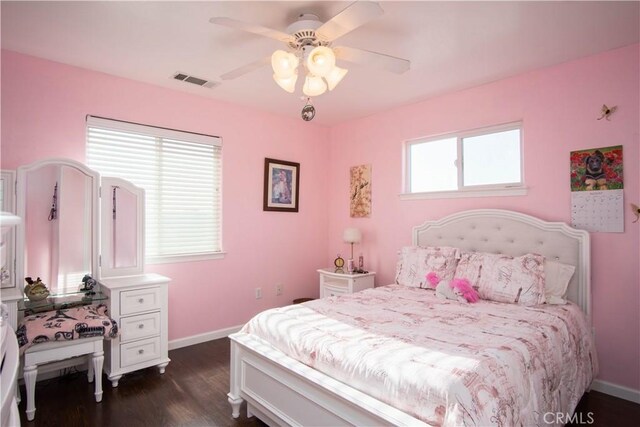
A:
{"points": [[61, 334], [39, 354]]}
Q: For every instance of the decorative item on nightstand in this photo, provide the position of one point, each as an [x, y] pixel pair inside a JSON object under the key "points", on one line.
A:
{"points": [[339, 263], [351, 235]]}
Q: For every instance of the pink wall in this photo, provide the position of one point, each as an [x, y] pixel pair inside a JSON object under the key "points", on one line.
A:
{"points": [[44, 105], [558, 107]]}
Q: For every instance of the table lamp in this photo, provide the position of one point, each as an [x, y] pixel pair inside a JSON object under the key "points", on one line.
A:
{"points": [[351, 235]]}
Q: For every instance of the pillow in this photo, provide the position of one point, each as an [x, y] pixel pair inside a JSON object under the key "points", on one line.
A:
{"points": [[518, 280], [557, 278], [469, 266], [441, 260], [415, 262], [407, 267]]}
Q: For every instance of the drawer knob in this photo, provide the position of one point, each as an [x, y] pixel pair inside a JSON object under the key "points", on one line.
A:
{"points": [[140, 351], [141, 300], [141, 326]]}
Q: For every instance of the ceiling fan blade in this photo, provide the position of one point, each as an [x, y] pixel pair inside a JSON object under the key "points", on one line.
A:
{"points": [[252, 28], [374, 59], [246, 69], [355, 15]]}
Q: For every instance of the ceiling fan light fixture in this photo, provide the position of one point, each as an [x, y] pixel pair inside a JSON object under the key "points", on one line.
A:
{"points": [[284, 64], [335, 76], [321, 61], [314, 86], [287, 83]]}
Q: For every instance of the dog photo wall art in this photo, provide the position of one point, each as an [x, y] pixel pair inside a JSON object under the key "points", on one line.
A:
{"points": [[597, 169]]}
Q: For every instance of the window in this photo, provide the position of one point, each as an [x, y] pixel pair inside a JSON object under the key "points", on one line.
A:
{"points": [[480, 163], [181, 175]]}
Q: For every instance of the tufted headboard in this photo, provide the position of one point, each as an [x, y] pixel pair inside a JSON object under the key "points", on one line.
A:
{"points": [[514, 233]]}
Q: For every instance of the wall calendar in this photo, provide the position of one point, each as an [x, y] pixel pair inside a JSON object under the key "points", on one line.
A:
{"points": [[597, 195]]}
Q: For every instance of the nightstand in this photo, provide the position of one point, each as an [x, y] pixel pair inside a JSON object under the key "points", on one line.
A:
{"points": [[332, 283]]}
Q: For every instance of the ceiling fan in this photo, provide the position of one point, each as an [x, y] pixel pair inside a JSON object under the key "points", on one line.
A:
{"points": [[309, 41]]}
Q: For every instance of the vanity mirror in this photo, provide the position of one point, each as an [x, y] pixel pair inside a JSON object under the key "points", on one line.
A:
{"points": [[7, 239], [75, 223], [57, 200], [122, 222]]}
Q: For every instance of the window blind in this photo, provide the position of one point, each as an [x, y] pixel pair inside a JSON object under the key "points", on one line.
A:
{"points": [[181, 175]]}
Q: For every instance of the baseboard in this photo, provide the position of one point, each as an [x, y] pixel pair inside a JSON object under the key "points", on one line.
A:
{"points": [[200, 338], [616, 390]]}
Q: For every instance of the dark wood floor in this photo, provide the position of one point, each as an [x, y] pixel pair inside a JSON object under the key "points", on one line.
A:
{"points": [[193, 391]]}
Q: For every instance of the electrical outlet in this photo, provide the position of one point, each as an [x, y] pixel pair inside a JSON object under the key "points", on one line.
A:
{"points": [[279, 289], [258, 293]]}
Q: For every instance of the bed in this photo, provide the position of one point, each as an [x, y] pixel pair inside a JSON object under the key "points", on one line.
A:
{"points": [[275, 372]]}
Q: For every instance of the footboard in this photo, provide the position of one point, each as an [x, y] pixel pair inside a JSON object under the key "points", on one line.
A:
{"points": [[282, 391]]}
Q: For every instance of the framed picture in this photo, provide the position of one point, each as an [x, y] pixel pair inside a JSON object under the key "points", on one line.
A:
{"points": [[281, 185], [360, 191]]}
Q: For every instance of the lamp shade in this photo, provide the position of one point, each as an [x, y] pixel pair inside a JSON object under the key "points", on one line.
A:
{"points": [[335, 76], [314, 86], [352, 235], [287, 83], [284, 64], [321, 61]]}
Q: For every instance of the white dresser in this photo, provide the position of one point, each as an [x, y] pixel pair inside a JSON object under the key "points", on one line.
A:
{"points": [[139, 304]]}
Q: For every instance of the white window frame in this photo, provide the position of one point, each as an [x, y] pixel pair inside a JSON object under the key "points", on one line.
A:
{"points": [[103, 123], [489, 190]]}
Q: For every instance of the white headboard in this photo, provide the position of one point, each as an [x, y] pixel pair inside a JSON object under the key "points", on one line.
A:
{"points": [[514, 233]]}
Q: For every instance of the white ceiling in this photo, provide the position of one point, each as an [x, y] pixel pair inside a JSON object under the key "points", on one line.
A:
{"points": [[451, 45]]}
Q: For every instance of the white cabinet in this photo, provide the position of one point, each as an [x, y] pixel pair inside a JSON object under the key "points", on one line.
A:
{"points": [[140, 306], [332, 283]]}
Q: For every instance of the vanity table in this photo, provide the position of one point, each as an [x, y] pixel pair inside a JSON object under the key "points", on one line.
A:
{"points": [[76, 222], [61, 301]]}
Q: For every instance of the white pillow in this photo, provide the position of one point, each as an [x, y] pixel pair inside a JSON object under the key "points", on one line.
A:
{"points": [[557, 278]]}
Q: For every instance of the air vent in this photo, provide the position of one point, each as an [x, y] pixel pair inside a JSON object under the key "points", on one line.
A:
{"points": [[194, 80]]}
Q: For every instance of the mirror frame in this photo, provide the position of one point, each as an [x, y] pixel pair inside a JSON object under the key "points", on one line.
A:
{"points": [[9, 239], [21, 208], [106, 228]]}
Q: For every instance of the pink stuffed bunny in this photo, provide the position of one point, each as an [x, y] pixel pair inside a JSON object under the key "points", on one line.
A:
{"points": [[456, 289], [463, 288]]}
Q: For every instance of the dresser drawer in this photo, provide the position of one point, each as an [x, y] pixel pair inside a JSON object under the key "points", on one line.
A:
{"points": [[137, 301], [140, 326], [330, 291], [137, 352]]}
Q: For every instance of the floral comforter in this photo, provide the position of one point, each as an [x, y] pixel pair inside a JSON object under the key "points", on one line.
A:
{"points": [[443, 362]]}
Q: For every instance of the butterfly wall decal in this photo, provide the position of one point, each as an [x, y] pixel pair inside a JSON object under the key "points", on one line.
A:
{"points": [[636, 211], [607, 112]]}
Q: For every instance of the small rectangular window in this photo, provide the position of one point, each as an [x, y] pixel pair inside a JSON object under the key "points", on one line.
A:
{"points": [[484, 159]]}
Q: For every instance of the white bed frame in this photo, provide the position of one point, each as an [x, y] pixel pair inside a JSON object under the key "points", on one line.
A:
{"points": [[282, 391]]}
